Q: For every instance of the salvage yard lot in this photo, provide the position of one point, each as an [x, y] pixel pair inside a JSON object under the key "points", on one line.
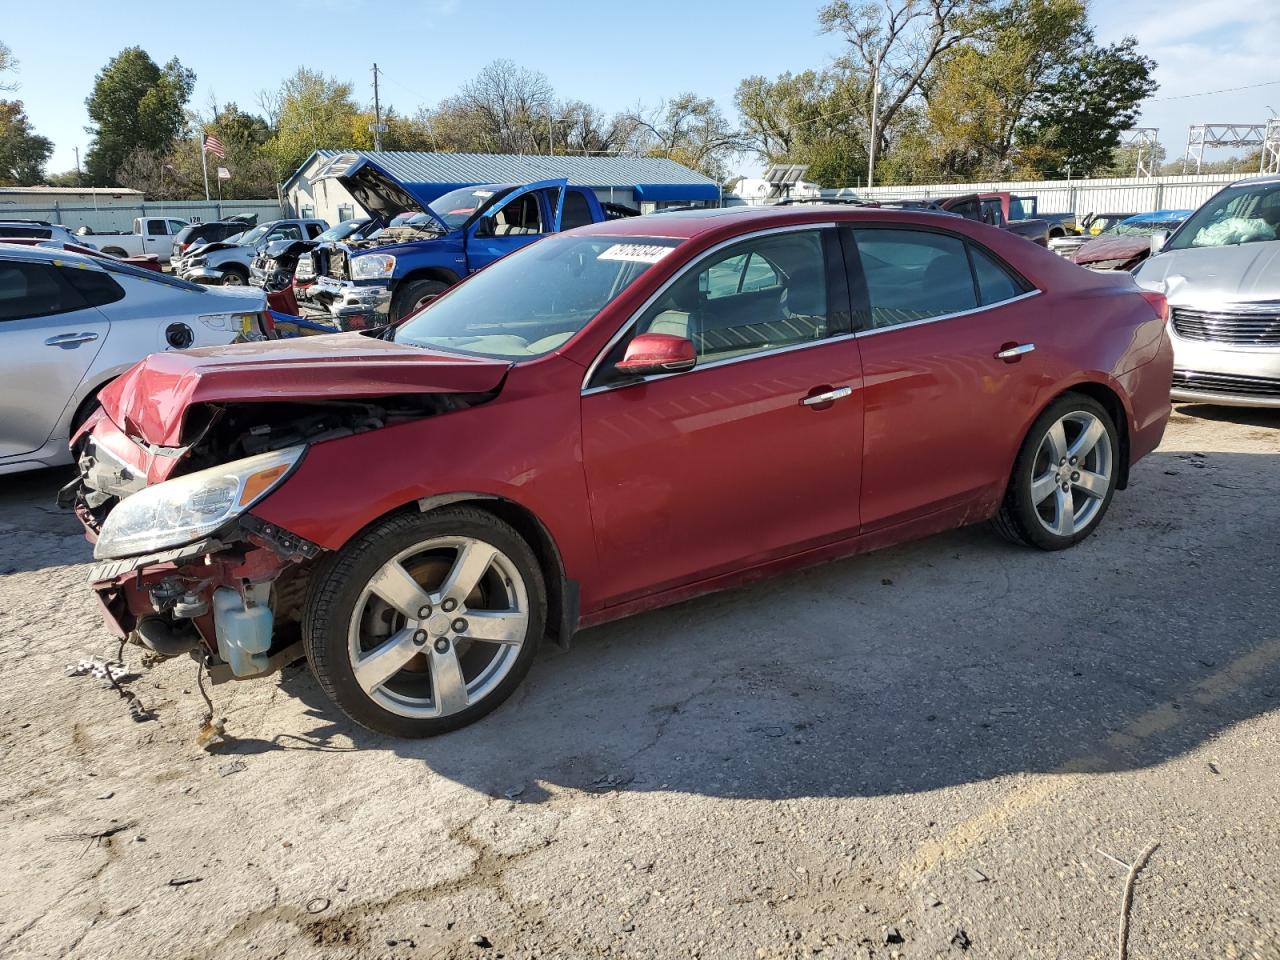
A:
{"points": [[940, 744]]}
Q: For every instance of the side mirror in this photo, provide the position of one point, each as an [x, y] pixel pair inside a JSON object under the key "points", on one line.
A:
{"points": [[1158, 240], [651, 353]]}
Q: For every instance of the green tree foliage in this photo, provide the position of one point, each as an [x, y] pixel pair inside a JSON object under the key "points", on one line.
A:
{"points": [[814, 117], [311, 112], [1076, 120], [23, 152], [135, 104]]}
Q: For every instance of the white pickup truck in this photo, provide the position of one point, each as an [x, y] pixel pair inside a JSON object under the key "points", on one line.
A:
{"points": [[151, 235]]}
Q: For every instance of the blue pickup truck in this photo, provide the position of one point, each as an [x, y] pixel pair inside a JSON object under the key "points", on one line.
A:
{"points": [[426, 246]]}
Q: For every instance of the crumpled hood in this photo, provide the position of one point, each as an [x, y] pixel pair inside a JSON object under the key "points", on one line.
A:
{"points": [[150, 400], [1215, 275], [1112, 248]]}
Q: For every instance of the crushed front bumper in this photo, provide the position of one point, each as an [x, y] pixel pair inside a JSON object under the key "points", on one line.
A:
{"points": [[346, 304], [204, 275]]}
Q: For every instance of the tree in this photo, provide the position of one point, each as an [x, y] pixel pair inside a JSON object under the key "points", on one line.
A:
{"points": [[7, 62], [134, 105], [812, 117], [505, 108], [895, 44], [1077, 119], [980, 91], [311, 111], [690, 130], [23, 152]]}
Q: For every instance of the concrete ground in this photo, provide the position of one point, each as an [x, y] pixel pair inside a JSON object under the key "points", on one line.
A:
{"points": [[952, 747]]}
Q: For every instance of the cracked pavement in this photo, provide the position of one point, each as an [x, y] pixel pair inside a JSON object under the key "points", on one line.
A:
{"points": [[951, 742]]}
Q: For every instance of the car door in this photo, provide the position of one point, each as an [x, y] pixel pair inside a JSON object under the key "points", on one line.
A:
{"points": [[49, 337], [517, 220], [752, 455], [936, 310], [155, 235]]}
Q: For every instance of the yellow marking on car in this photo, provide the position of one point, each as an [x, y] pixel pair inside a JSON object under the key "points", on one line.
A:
{"points": [[1160, 719]]}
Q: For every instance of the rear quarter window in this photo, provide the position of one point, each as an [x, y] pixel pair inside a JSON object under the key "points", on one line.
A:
{"points": [[96, 286], [577, 211]]}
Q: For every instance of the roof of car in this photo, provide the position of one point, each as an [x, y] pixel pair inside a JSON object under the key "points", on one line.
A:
{"points": [[17, 251], [692, 223]]}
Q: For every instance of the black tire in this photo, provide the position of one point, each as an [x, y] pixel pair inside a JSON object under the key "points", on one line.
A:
{"points": [[411, 295], [235, 277], [1019, 519], [338, 584]]}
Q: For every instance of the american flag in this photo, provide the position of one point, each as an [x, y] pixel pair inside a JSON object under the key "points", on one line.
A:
{"points": [[213, 145]]}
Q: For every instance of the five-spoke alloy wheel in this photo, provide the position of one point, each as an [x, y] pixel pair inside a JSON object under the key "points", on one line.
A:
{"points": [[1064, 477], [426, 622]]}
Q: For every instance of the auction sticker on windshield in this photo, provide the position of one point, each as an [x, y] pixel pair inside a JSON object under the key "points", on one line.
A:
{"points": [[635, 252]]}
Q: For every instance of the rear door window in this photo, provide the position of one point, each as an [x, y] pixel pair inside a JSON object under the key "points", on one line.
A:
{"points": [[31, 289], [577, 211], [995, 283], [914, 275]]}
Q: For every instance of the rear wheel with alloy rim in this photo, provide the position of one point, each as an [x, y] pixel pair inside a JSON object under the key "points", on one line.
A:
{"points": [[1064, 477], [426, 622]]}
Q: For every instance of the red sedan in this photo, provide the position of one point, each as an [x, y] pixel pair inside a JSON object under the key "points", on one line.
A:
{"points": [[612, 419]]}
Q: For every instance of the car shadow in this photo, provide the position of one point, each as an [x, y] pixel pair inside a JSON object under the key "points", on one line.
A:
{"points": [[1248, 416], [35, 533], [950, 660]]}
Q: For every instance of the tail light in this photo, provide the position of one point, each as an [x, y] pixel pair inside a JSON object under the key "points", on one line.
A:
{"points": [[1158, 303], [182, 247]]}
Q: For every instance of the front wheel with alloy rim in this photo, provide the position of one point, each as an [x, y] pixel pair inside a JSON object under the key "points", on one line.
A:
{"points": [[1064, 477], [425, 622]]}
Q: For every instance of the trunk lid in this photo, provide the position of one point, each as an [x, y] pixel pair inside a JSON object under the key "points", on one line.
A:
{"points": [[150, 400]]}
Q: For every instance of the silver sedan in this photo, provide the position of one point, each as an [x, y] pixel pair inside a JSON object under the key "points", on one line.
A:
{"points": [[1220, 272], [69, 324]]}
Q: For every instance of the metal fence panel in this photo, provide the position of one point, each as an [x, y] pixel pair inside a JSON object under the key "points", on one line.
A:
{"points": [[1098, 195], [119, 217]]}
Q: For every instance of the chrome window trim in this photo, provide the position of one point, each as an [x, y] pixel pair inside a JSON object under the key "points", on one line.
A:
{"points": [[949, 316], [653, 298], [789, 348]]}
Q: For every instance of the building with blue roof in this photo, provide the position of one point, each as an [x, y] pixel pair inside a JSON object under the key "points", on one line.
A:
{"points": [[644, 183]]}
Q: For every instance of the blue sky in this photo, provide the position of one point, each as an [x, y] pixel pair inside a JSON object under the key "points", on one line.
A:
{"points": [[613, 54]]}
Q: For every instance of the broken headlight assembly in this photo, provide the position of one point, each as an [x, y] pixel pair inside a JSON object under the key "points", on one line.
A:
{"points": [[181, 510], [372, 266]]}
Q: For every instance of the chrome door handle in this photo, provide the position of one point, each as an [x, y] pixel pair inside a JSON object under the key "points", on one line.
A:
{"points": [[839, 393], [1019, 350], [70, 339]]}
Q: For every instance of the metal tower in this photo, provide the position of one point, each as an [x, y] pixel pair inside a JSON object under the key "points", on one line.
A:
{"points": [[1203, 135]]}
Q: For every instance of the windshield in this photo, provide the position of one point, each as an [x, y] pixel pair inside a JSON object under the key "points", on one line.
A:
{"points": [[457, 206], [1248, 213], [1140, 227], [533, 301], [342, 230], [253, 236]]}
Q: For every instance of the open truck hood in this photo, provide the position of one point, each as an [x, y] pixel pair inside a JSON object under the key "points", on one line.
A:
{"points": [[381, 194], [150, 401]]}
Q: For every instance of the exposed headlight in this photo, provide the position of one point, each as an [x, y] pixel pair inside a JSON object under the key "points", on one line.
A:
{"points": [[306, 268], [372, 266], [187, 508]]}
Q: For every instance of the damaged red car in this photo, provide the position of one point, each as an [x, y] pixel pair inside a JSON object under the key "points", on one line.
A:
{"points": [[609, 420]]}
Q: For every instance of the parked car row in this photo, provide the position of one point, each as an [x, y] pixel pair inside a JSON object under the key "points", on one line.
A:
{"points": [[229, 261]]}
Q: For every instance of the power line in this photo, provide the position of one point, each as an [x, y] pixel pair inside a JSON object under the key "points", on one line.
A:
{"points": [[1206, 93]]}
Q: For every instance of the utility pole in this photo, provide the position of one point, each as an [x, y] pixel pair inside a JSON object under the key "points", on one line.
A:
{"points": [[875, 118], [377, 113], [79, 179]]}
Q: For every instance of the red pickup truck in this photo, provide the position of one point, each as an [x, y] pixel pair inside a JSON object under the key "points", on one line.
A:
{"points": [[1000, 209]]}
